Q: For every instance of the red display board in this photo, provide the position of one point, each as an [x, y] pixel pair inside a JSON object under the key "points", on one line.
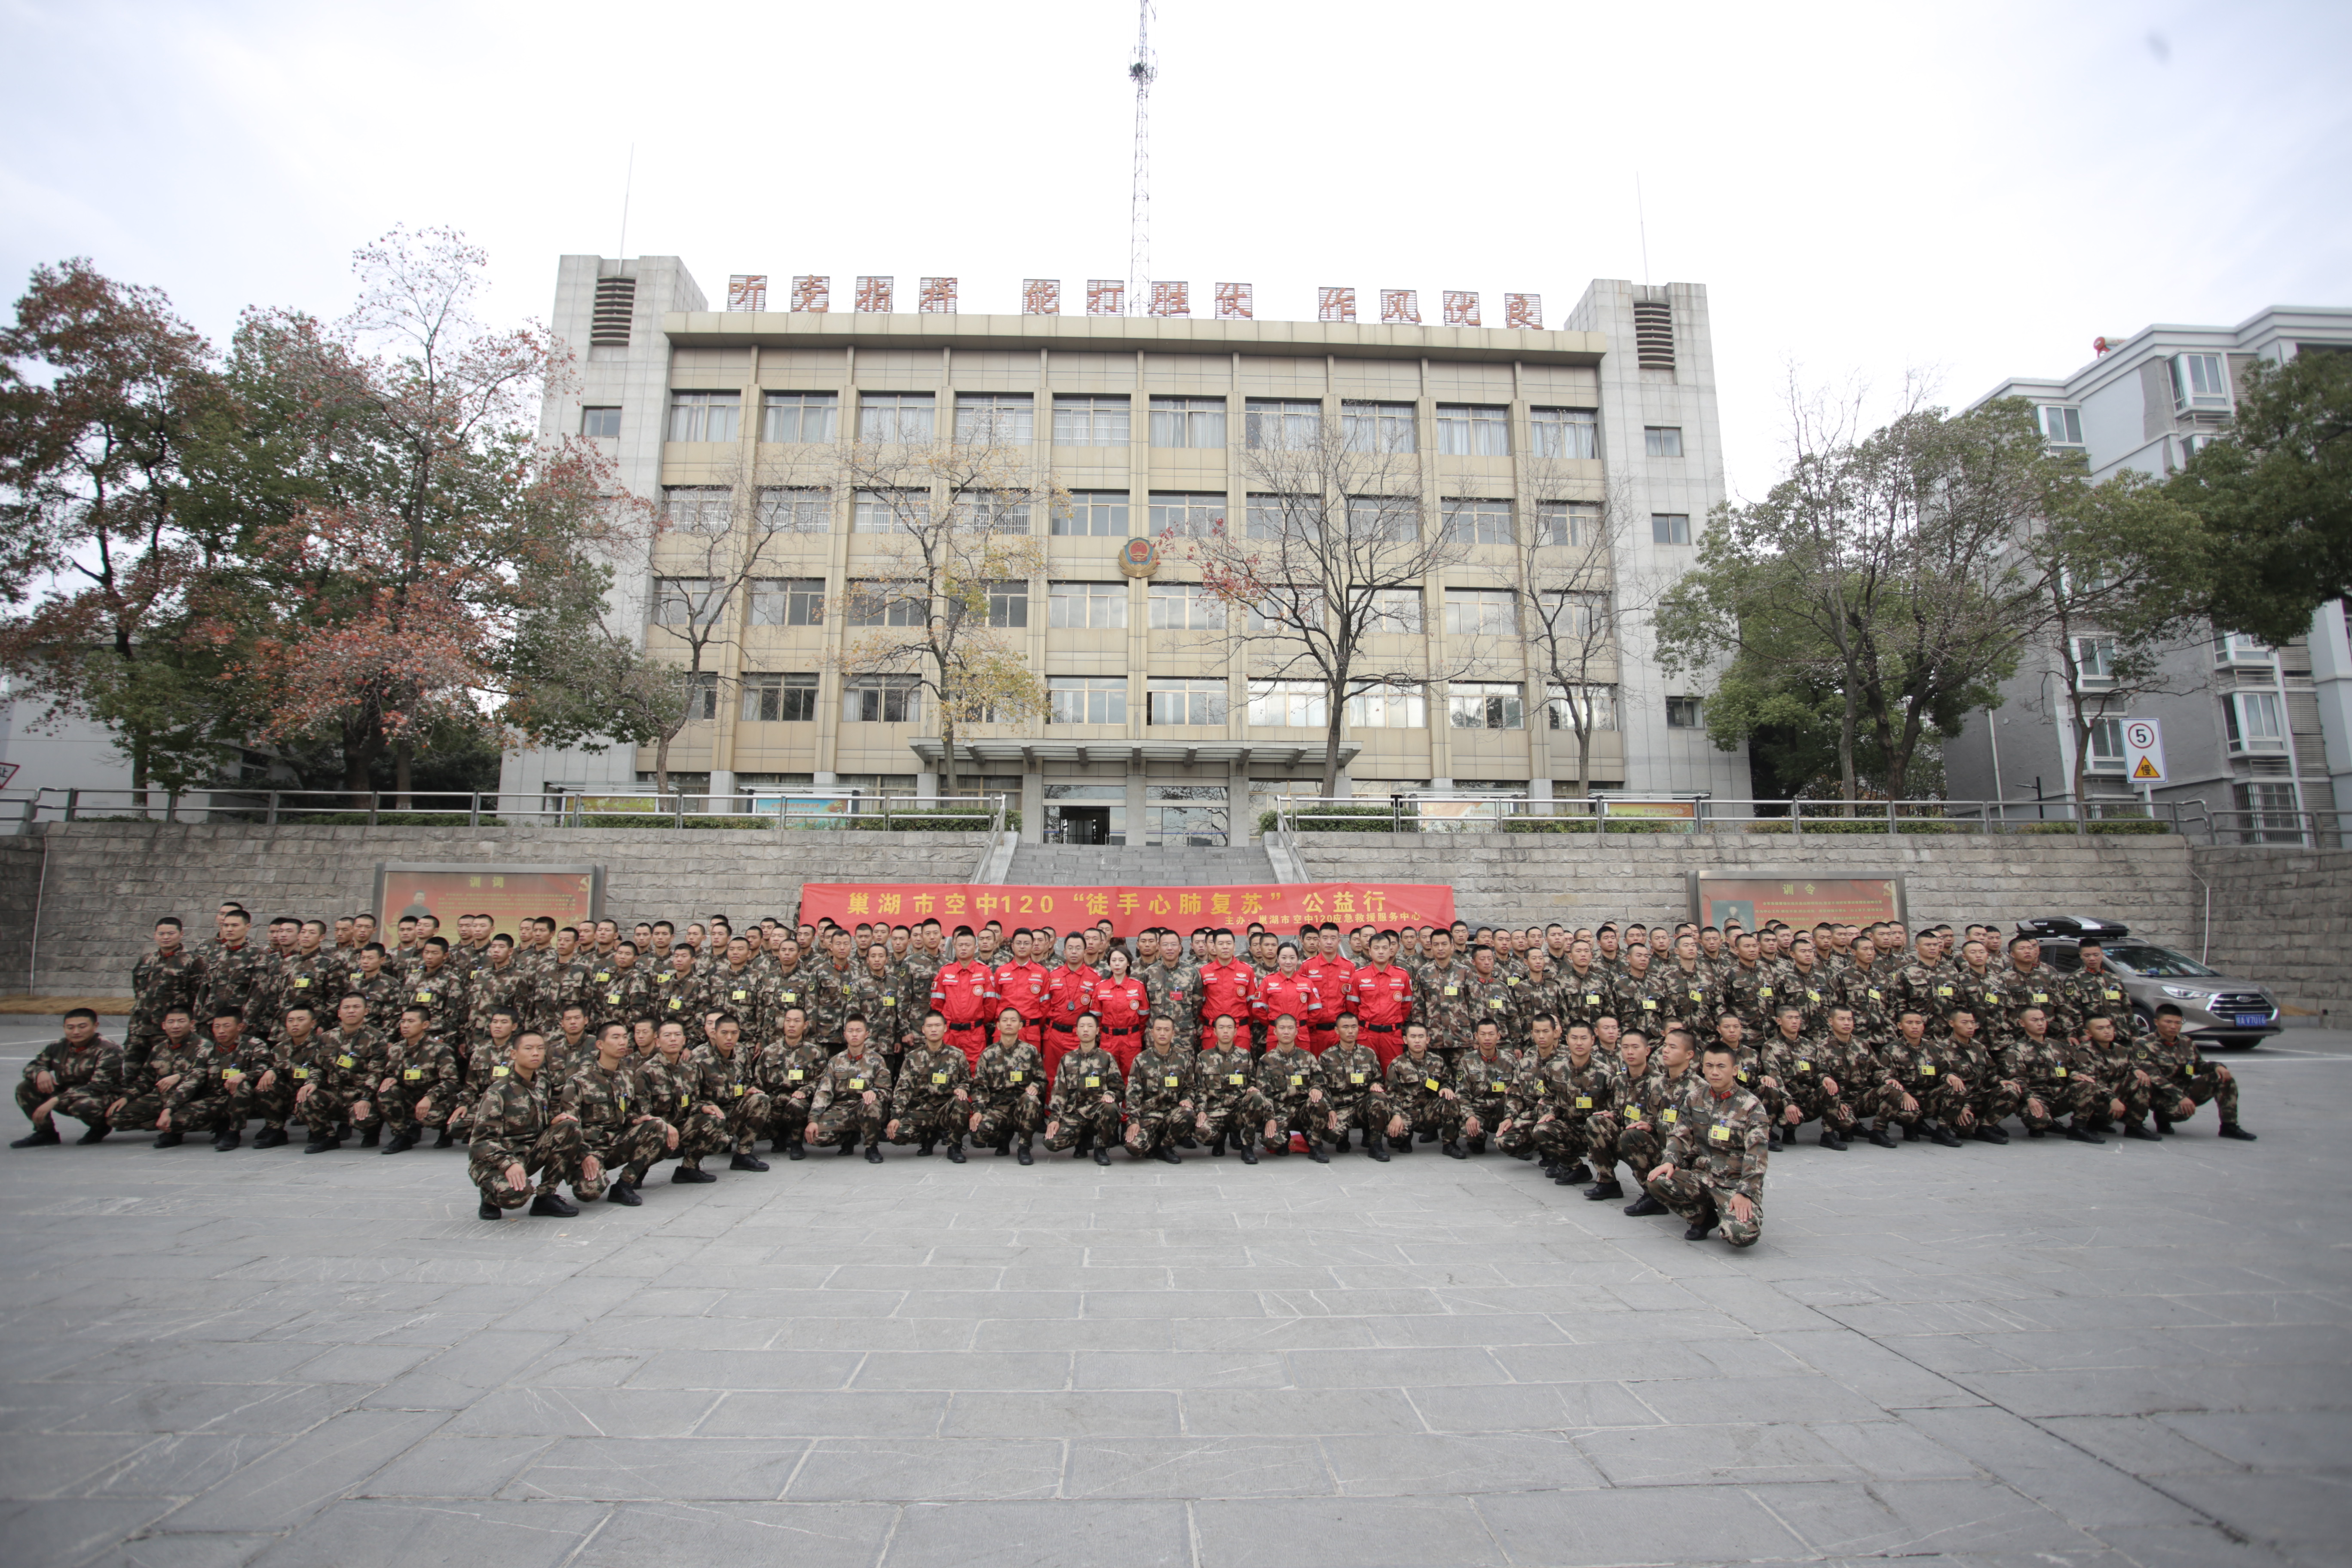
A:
{"points": [[1799, 900], [1277, 905], [504, 893]]}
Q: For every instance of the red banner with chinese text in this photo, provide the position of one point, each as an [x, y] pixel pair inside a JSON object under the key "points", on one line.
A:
{"points": [[1277, 905]]}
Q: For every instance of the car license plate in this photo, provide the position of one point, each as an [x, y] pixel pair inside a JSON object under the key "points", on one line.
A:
{"points": [[2253, 1020]]}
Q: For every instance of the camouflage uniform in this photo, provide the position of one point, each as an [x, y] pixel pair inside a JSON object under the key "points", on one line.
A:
{"points": [[665, 1088], [88, 1078], [1974, 1063], [680, 999], [1802, 1064], [385, 996], [730, 1082], [1556, 1087], [306, 979], [341, 1072], [2182, 1069], [1415, 1087], [490, 987], [787, 1075], [1492, 1001], [893, 1011], [925, 1106], [1691, 995], [144, 1096], [514, 1124], [1536, 997], [750, 996], [1719, 1151], [1351, 1073], [1752, 991], [2043, 1070], [233, 978], [1585, 997], [2086, 996], [1442, 1004], [831, 992], [1486, 1087], [1285, 1079], [2037, 987], [1809, 990], [160, 983], [1159, 1097], [617, 995], [838, 1114], [1634, 1003], [1664, 1101], [1001, 1089], [1924, 1073], [441, 993], [425, 1069], [1080, 1082], [214, 1091], [1232, 1109]]}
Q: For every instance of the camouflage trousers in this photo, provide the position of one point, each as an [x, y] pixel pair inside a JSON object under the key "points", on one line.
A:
{"points": [[1936, 1100], [1814, 1103], [1487, 1114], [1563, 1140], [1990, 1102], [399, 1103], [1241, 1116], [699, 1134], [1691, 1197], [1426, 1114], [2206, 1083], [212, 1113], [78, 1103], [854, 1123], [328, 1109], [1020, 1116], [1313, 1120], [1155, 1129], [788, 1118], [1365, 1113], [1088, 1116], [274, 1105], [1772, 1096], [553, 1159], [2076, 1096], [632, 1151], [137, 1113], [942, 1121]]}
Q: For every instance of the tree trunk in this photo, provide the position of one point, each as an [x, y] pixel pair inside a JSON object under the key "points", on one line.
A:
{"points": [[1336, 716], [1584, 759], [403, 756], [1845, 745], [361, 746], [947, 750], [661, 767]]}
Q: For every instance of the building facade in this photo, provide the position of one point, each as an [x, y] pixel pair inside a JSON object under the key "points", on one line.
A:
{"points": [[1157, 729], [2259, 737]]}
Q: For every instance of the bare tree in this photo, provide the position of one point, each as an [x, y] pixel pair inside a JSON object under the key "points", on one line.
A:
{"points": [[1327, 565], [954, 519]]}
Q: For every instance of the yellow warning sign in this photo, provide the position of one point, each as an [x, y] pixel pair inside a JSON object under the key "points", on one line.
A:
{"points": [[2146, 770]]}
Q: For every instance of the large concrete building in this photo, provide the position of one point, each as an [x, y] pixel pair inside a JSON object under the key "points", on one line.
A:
{"points": [[2259, 737], [1157, 728]]}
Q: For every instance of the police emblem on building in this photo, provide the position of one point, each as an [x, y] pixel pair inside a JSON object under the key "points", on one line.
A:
{"points": [[1139, 557]]}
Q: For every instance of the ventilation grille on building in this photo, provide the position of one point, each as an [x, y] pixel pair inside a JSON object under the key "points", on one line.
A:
{"points": [[617, 300], [1653, 334]]}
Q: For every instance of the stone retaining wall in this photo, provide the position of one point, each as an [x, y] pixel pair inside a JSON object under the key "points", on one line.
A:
{"points": [[107, 882], [2282, 917]]}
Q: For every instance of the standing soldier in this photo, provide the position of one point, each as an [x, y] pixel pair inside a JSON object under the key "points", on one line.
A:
{"points": [[1422, 1103], [1083, 1108], [1713, 1174], [516, 1137], [1160, 1096], [1586, 989], [1490, 998], [852, 1099], [1687, 989], [2094, 991], [789, 1069], [422, 1086], [1442, 1001], [234, 968], [439, 989], [80, 1074], [304, 974], [375, 985], [830, 998], [934, 1103], [1355, 1080], [1174, 987], [171, 976], [1227, 987], [738, 986], [1751, 986], [1009, 1090], [2029, 983], [497, 982], [880, 992], [678, 995], [619, 1140]]}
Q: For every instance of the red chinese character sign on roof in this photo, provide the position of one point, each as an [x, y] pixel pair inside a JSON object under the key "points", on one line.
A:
{"points": [[874, 296], [1041, 296], [938, 296], [1461, 307], [1335, 304], [811, 293], [1523, 311], [1400, 305], [1106, 296], [1171, 299], [748, 291], [1234, 302]]}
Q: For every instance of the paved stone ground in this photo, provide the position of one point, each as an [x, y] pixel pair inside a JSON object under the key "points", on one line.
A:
{"points": [[2049, 1355]]}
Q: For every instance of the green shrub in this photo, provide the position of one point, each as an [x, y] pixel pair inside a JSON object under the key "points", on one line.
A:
{"points": [[1877, 825], [1550, 825], [1328, 819], [2127, 824]]}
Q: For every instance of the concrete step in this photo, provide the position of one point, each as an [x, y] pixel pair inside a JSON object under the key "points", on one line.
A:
{"points": [[1048, 865]]}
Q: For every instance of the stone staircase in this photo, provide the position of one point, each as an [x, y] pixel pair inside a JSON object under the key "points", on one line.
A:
{"points": [[1069, 865]]}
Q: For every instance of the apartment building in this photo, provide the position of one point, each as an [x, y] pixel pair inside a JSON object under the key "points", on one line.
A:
{"points": [[2256, 735], [1161, 724]]}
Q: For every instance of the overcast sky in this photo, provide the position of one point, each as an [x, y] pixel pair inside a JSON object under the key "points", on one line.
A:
{"points": [[1970, 191]]}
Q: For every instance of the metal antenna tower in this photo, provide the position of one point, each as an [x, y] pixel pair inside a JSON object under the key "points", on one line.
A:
{"points": [[1141, 70]]}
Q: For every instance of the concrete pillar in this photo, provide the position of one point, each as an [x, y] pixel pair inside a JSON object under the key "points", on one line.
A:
{"points": [[1033, 806], [1135, 807]]}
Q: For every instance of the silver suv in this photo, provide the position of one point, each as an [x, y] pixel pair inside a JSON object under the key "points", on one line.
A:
{"points": [[2217, 1009]]}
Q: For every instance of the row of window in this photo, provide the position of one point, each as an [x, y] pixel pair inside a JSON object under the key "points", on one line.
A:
{"points": [[1009, 419], [1103, 606], [1106, 514], [2253, 723], [792, 698]]}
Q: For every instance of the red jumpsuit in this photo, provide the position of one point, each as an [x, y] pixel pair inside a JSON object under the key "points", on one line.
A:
{"points": [[1069, 996], [1382, 999], [1125, 1009], [1279, 993], [1022, 987], [965, 994], [1227, 989], [1330, 976]]}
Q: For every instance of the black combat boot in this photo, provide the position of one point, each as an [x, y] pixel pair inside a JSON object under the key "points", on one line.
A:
{"points": [[1910, 1132], [1477, 1145], [1022, 1153], [170, 1139], [2078, 1134], [746, 1161], [1704, 1226], [447, 1139], [553, 1205], [1102, 1157], [624, 1195], [1773, 1143], [1944, 1135], [1217, 1149], [1602, 1192], [2163, 1124], [1315, 1153], [372, 1136], [795, 1150], [226, 1139], [42, 1133], [1882, 1139], [271, 1138], [1572, 1173], [401, 1143], [97, 1133], [1452, 1150], [1249, 1152], [326, 1143], [1167, 1155], [873, 1153], [691, 1173], [2138, 1133], [848, 1147], [1833, 1139], [1644, 1207], [923, 1151], [1377, 1147], [2229, 1129], [955, 1152]]}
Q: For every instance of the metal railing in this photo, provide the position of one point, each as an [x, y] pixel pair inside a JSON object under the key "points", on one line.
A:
{"points": [[1423, 812], [758, 810]]}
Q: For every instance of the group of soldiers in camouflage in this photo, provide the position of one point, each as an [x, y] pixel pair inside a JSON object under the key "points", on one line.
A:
{"points": [[584, 1057]]}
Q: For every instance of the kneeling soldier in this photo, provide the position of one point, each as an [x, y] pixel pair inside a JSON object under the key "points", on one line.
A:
{"points": [[1483, 1080], [1231, 1107], [789, 1069], [1084, 1109], [1009, 1086], [422, 1086], [851, 1102], [1713, 1175], [616, 1134], [1353, 1081], [727, 1078], [79, 1075], [933, 1104], [213, 1093], [2187, 1080], [1422, 1103], [1290, 1081], [515, 1138], [1160, 1108]]}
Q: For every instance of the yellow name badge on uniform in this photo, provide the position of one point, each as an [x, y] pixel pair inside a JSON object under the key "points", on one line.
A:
{"points": [[1591, 999], [612, 999], [938, 1078], [343, 1061], [1429, 1083], [1763, 991], [1698, 995], [2041, 996], [301, 981], [1812, 995], [858, 1083], [1583, 1102], [1012, 1078], [740, 995], [792, 1075], [1450, 990], [1169, 1082], [1803, 1065], [412, 1074], [230, 1075], [1093, 1081], [305, 1072], [1874, 993], [1355, 1077], [1743, 1075], [1927, 1069], [604, 976], [1674, 1116], [791, 995], [1494, 1002], [1720, 1134], [889, 1001], [425, 995], [1649, 1005], [738, 1090], [498, 1072], [1295, 1080], [684, 1100], [1502, 1088], [1236, 1077], [1943, 990]]}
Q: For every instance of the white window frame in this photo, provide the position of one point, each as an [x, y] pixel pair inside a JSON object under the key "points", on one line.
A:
{"points": [[1085, 605], [896, 418], [1288, 705], [2061, 425], [1186, 701], [2200, 381], [1185, 514], [1093, 514], [2255, 723], [1567, 433], [788, 600], [1396, 612], [2107, 746], [791, 509], [1185, 607], [1388, 707], [1670, 528], [1481, 612], [1091, 421], [1188, 422], [876, 603], [1661, 440], [1598, 702], [1008, 604], [1473, 430], [707, 416], [765, 696], [687, 600], [707, 509], [2095, 663], [1485, 705], [1368, 426], [1099, 699], [1479, 521], [801, 418], [1293, 424], [884, 511], [995, 418], [882, 700]]}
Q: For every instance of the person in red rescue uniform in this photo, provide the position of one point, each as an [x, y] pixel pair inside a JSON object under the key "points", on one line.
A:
{"points": [[1124, 1008], [1227, 988], [1286, 992], [964, 992], [1329, 972], [1380, 996], [1069, 996], [1021, 985]]}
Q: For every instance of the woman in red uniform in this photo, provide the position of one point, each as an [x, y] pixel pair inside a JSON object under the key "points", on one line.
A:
{"points": [[1124, 1007]]}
